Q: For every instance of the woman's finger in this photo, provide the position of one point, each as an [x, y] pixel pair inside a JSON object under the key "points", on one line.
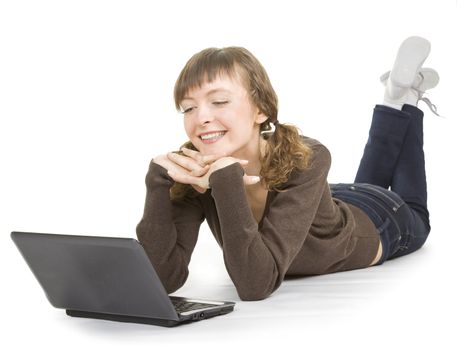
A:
{"points": [[185, 178], [173, 166], [201, 159], [183, 161], [200, 172], [200, 183]]}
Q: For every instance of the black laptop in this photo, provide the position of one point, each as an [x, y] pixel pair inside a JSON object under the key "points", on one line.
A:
{"points": [[107, 278]]}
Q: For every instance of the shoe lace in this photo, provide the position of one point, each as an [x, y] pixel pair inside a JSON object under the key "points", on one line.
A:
{"points": [[427, 101]]}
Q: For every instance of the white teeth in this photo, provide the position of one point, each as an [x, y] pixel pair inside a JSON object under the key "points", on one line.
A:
{"points": [[213, 135]]}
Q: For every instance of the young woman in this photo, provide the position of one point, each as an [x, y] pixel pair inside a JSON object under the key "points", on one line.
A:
{"points": [[262, 187]]}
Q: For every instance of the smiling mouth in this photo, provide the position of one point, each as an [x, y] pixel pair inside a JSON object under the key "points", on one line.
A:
{"points": [[212, 137]]}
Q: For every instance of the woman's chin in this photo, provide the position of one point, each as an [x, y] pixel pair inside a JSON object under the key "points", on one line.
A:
{"points": [[212, 149]]}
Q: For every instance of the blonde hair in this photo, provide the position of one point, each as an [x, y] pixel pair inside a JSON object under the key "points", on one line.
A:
{"points": [[285, 150]]}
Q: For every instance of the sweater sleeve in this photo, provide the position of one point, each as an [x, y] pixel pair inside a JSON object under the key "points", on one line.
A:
{"points": [[258, 256], [169, 229]]}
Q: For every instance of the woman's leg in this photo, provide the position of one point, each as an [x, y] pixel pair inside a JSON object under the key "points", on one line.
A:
{"points": [[393, 156], [409, 179], [385, 141]]}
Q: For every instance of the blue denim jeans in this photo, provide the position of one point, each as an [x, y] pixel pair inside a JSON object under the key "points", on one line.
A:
{"points": [[390, 185]]}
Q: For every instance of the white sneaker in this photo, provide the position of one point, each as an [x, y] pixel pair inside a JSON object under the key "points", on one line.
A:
{"points": [[426, 79], [410, 57], [407, 82]]}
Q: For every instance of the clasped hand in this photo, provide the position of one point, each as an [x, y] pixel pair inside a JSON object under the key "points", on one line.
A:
{"points": [[194, 169]]}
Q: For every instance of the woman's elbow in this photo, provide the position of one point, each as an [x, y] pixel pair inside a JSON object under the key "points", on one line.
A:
{"points": [[251, 294]]}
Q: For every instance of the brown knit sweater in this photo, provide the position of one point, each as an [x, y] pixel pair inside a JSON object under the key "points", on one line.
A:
{"points": [[303, 231]]}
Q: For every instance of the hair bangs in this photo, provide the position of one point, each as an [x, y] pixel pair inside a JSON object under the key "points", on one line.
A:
{"points": [[203, 67]]}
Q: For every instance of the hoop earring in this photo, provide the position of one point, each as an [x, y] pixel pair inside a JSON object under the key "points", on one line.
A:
{"points": [[268, 132]]}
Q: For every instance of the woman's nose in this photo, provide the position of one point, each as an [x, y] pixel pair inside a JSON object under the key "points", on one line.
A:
{"points": [[204, 115]]}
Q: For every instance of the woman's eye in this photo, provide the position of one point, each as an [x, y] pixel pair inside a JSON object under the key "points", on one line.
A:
{"points": [[188, 110], [219, 103]]}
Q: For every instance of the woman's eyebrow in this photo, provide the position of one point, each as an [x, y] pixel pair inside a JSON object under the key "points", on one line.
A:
{"points": [[213, 91], [210, 92]]}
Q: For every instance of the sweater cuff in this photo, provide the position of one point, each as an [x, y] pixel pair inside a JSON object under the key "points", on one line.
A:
{"points": [[158, 174], [228, 176]]}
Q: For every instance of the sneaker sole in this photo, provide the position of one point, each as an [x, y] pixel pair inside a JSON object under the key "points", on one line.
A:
{"points": [[410, 57], [430, 79]]}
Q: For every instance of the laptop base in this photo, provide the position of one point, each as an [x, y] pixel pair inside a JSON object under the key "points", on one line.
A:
{"points": [[124, 318]]}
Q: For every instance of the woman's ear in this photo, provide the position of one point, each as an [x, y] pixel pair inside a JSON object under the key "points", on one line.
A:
{"points": [[260, 118]]}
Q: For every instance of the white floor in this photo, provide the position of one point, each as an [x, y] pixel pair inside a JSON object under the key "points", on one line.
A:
{"points": [[85, 103], [407, 302]]}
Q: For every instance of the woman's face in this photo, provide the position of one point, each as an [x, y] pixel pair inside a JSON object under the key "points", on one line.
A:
{"points": [[219, 117]]}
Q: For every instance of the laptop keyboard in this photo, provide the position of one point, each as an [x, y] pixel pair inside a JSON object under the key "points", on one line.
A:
{"points": [[184, 306]]}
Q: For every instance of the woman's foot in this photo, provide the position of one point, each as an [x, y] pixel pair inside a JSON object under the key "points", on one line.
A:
{"points": [[404, 75], [426, 79]]}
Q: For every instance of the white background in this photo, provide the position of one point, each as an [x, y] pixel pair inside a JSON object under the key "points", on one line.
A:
{"points": [[86, 102]]}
